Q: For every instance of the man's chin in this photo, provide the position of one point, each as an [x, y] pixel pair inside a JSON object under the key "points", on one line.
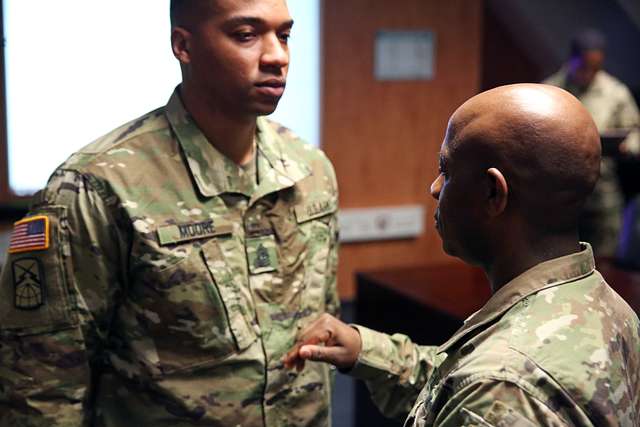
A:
{"points": [[264, 105], [263, 109]]}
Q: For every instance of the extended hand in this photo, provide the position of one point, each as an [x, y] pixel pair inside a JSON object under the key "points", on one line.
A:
{"points": [[328, 340]]}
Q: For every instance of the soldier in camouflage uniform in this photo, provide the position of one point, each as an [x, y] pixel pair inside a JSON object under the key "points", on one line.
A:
{"points": [[554, 345], [612, 107], [156, 281]]}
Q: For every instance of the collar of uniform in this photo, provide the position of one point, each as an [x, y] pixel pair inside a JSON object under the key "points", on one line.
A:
{"points": [[212, 171], [278, 165], [547, 274]]}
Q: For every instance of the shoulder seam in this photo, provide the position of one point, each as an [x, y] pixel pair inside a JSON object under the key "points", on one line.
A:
{"points": [[89, 179], [123, 134]]}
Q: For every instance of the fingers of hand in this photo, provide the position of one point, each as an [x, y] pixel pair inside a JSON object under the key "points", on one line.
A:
{"points": [[291, 358], [316, 353], [337, 356], [320, 332], [313, 337]]}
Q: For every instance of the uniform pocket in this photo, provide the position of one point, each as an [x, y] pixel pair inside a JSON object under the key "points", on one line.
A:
{"points": [[189, 314]]}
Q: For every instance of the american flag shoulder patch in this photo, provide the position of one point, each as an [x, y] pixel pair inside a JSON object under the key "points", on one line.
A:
{"points": [[30, 234]]}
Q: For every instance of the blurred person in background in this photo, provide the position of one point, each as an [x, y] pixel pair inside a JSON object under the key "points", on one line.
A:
{"points": [[615, 113]]}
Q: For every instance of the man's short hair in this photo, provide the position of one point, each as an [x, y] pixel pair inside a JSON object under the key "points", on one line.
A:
{"points": [[176, 10], [182, 11], [586, 40]]}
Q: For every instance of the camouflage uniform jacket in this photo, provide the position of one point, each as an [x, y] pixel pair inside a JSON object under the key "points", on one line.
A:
{"points": [[556, 346], [612, 107], [173, 284]]}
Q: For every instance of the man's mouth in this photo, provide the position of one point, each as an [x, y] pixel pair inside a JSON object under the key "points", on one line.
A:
{"points": [[272, 87]]}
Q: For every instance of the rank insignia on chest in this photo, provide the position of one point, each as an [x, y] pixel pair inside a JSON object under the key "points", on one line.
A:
{"points": [[30, 234], [29, 283], [262, 255]]}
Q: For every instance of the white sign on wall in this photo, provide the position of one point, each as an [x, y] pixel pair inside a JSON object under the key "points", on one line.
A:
{"points": [[404, 55]]}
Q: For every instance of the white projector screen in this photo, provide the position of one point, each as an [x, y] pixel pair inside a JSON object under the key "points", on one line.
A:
{"points": [[75, 69]]}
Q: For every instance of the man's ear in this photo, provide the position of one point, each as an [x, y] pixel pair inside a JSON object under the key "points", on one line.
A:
{"points": [[181, 44], [498, 193]]}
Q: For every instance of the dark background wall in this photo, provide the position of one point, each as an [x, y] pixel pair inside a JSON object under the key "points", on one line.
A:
{"points": [[528, 40]]}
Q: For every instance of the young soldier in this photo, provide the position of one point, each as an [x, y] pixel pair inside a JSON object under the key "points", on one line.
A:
{"points": [[167, 267]]}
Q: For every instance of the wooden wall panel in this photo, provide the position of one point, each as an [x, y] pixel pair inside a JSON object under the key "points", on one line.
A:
{"points": [[384, 137], [504, 62]]}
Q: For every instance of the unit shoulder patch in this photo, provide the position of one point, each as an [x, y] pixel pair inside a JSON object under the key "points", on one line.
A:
{"points": [[28, 283]]}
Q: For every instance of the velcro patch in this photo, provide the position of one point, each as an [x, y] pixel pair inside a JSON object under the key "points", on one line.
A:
{"points": [[28, 283], [315, 208], [177, 233], [503, 415], [262, 256], [30, 234]]}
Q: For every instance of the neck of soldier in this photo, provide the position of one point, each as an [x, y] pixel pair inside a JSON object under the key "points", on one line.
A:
{"points": [[232, 135], [514, 255]]}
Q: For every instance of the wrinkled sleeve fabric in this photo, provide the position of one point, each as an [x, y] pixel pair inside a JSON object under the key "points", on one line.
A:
{"points": [[394, 369], [494, 402], [47, 353], [332, 302], [628, 116]]}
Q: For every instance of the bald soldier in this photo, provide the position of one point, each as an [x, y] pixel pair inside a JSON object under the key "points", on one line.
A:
{"points": [[167, 267], [554, 345]]}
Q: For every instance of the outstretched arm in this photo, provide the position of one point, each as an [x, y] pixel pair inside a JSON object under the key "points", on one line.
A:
{"points": [[394, 368]]}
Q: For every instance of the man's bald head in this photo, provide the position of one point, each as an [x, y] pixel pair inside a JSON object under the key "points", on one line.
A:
{"points": [[517, 164], [542, 140]]}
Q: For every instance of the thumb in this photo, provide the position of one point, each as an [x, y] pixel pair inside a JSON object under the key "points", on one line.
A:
{"points": [[319, 353]]}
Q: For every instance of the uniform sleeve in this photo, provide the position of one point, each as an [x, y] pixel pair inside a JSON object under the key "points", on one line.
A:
{"points": [[332, 297], [394, 369], [627, 116], [332, 302], [496, 403], [56, 303]]}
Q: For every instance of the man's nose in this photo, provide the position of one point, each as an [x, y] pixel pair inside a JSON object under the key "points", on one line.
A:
{"points": [[275, 53], [436, 186]]}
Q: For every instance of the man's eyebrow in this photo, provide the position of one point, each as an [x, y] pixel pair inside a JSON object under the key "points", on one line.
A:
{"points": [[251, 20]]}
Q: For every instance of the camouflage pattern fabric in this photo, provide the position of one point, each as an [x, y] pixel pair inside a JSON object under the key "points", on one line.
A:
{"points": [[612, 106], [173, 284], [556, 346]]}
